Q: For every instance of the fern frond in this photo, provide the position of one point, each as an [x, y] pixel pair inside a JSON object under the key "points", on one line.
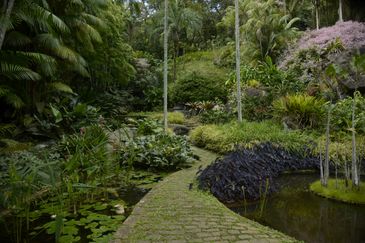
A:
{"points": [[61, 87]]}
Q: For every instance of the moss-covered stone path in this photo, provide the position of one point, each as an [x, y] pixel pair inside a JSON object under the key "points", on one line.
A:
{"points": [[174, 212]]}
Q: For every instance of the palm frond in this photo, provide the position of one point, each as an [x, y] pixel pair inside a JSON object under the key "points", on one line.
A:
{"points": [[59, 86], [12, 71], [15, 38], [93, 20], [10, 97]]}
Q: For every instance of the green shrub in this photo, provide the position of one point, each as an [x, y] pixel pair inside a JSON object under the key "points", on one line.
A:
{"points": [[173, 117], [86, 155], [215, 117], [195, 86], [157, 152], [342, 113], [224, 138], [261, 85], [149, 127], [299, 110], [176, 118]]}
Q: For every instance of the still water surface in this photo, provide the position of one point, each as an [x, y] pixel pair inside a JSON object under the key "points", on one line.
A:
{"points": [[295, 211]]}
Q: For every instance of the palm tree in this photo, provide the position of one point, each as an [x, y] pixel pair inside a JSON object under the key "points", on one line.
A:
{"points": [[165, 48], [183, 24], [266, 30], [238, 59], [39, 43]]}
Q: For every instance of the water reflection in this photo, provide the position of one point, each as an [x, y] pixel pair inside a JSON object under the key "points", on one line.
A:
{"points": [[299, 213]]}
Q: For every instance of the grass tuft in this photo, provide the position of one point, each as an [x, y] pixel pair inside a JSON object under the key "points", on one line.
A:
{"points": [[341, 193], [224, 138]]}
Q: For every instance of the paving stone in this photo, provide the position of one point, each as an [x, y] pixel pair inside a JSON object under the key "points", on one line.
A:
{"points": [[171, 212]]}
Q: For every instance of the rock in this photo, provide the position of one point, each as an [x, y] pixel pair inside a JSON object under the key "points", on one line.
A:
{"points": [[119, 209], [180, 129]]}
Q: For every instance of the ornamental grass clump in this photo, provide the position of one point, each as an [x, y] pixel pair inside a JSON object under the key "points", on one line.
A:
{"points": [[299, 110], [225, 138]]}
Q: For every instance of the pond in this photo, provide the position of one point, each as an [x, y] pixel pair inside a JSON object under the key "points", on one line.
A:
{"points": [[295, 211], [94, 221]]}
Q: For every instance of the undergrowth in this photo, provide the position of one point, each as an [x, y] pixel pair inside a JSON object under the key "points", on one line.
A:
{"points": [[224, 138]]}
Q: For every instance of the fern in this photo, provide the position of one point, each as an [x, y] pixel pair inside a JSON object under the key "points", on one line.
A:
{"points": [[6, 130]]}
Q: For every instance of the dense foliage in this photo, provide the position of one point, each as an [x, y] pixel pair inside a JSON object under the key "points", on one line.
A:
{"points": [[249, 174], [225, 138], [81, 94]]}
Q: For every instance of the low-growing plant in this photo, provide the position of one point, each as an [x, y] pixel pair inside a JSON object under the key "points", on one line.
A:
{"points": [[23, 178], [299, 111], [157, 152], [173, 117], [149, 127], [215, 117], [224, 138], [176, 117]]}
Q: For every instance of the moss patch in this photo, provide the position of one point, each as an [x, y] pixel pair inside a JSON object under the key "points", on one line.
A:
{"points": [[341, 193]]}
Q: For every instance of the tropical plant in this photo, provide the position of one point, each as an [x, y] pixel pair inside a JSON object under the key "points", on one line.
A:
{"points": [[299, 111], [266, 30], [215, 116], [38, 42], [157, 152], [194, 86], [183, 24]]}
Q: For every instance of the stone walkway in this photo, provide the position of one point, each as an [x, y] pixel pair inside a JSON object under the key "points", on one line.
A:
{"points": [[175, 212]]}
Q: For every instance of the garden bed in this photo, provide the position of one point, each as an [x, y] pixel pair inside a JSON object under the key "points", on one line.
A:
{"points": [[248, 174]]}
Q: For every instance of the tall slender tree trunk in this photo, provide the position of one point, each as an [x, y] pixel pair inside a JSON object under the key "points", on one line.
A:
{"points": [[165, 50], [7, 8], [340, 14], [176, 53], [317, 18], [355, 179], [326, 159], [238, 60], [321, 163]]}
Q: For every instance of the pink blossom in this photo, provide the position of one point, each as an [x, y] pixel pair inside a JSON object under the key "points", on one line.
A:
{"points": [[351, 33]]}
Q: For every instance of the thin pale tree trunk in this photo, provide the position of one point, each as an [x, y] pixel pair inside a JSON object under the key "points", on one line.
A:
{"points": [[4, 19], [165, 33], [238, 61], [355, 179], [321, 163], [326, 159], [340, 11], [317, 18]]}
